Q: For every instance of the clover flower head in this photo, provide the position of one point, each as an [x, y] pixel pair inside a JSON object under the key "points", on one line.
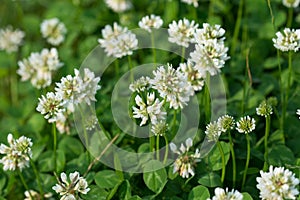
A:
{"points": [[264, 109], [191, 2], [289, 40], [54, 31], [159, 128], [291, 3], [172, 85], [185, 162], [209, 56], [10, 39], [226, 123], [209, 32], [17, 154], [118, 41], [140, 84], [213, 131], [119, 5], [193, 75], [35, 195], [182, 32], [52, 106], [278, 183], [151, 109], [149, 22], [245, 125], [221, 194], [69, 188], [38, 67]]}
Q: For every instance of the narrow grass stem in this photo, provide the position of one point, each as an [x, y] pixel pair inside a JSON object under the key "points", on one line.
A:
{"points": [[24, 183], [267, 131], [247, 160], [237, 27], [233, 159], [167, 149], [38, 179], [223, 161], [153, 47]]}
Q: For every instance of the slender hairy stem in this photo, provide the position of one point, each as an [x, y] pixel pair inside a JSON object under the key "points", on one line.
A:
{"points": [[267, 131], [167, 149], [290, 18], [24, 183], [247, 160], [223, 161], [182, 54], [101, 154], [157, 147], [54, 145], [233, 159], [130, 68], [153, 47], [237, 27], [37, 178]]}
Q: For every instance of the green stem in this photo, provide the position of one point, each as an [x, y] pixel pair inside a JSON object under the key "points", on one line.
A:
{"points": [[233, 159], [210, 10], [290, 75], [24, 183], [290, 18], [152, 143], [282, 92], [247, 160], [223, 161], [157, 147], [271, 13], [182, 54], [153, 47], [130, 68], [267, 131], [54, 145], [37, 178], [117, 67], [167, 149], [237, 27], [207, 99]]}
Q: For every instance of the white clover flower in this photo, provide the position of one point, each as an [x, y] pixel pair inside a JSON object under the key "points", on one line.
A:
{"points": [[245, 125], [70, 187], [193, 75], [221, 194], [119, 5], [91, 122], [38, 67], [190, 2], [17, 154], [149, 22], [151, 109], [288, 41], [264, 109], [209, 32], [35, 195], [172, 85], [213, 131], [226, 122], [140, 84], [54, 31], [78, 89], [182, 32], [10, 39], [118, 41], [291, 3], [185, 162], [298, 112], [52, 106], [277, 184], [210, 56], [159, 128], [62, 124]]}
